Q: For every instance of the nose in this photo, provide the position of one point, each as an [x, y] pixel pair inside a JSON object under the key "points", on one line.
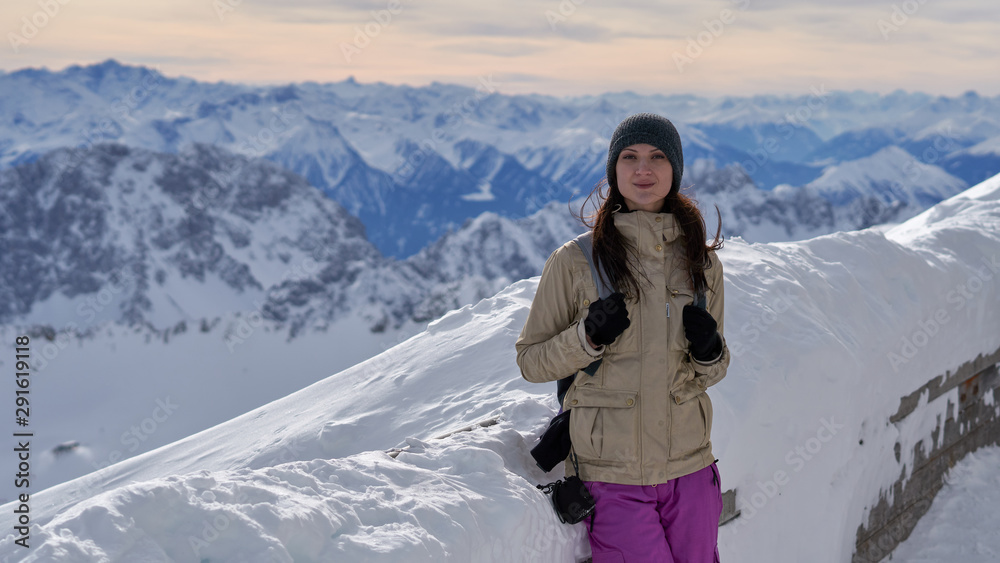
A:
{"points": [[643, 165]]}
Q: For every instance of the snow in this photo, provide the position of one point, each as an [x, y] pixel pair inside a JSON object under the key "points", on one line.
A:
{"points": [[902, 177], [123, 391], [485, 193], [957, 526], [990, 146], [817, 329]]}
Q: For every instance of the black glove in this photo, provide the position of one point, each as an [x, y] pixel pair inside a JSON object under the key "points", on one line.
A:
{"points": [[702, 330], [606, 319]]}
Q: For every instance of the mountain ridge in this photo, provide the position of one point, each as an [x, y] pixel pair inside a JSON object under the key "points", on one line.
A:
{"points": [[161, 238], [384, 150]]}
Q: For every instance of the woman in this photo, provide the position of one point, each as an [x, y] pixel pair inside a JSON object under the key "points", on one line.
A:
{"points": [[641, 425]]}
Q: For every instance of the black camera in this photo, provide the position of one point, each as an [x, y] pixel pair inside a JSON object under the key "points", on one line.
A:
{"points": [[571, 499]]}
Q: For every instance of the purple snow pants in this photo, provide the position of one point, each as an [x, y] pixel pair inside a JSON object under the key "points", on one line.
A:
{"points": [[674, 522]]}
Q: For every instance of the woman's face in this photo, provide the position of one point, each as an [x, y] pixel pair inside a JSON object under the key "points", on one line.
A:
{"points": [[644, 177]]}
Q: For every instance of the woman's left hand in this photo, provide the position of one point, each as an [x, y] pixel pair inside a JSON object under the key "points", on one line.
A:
{"points": [[702, 331]]}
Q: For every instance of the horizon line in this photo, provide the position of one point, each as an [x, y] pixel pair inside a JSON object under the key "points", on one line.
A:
{"points": [[351, 78]]}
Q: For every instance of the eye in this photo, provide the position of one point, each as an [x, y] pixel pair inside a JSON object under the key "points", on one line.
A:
{"points": [[628, 155], [659, 155]]}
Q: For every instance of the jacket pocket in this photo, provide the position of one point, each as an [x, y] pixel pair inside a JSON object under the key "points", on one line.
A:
{"points": [[692, 426], [688, 388], [604, 424]]}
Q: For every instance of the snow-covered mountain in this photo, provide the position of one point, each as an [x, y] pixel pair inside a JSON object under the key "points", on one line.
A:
{"points": [[416, 163], [309, 477], [497, 248], [842, 199], [975, 162], [122, 234], [901, 180], [127, 235], [757, 215]]}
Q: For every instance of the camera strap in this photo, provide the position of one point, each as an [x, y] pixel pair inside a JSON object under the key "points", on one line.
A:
{"points": [[571, 499]]}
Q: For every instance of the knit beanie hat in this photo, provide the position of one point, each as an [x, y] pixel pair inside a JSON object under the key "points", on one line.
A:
{"points": [[651, 129]]}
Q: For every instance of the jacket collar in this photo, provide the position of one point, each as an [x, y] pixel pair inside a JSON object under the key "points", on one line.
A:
{"points": [[630, 223]]}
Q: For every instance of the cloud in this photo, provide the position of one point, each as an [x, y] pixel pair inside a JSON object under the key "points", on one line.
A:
{"points": [[199, 61], [562, 47], [499, 47], [521, 77], [461, 28]]}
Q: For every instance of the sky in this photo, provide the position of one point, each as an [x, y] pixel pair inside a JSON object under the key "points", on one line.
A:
{"points": [[555, 47]]}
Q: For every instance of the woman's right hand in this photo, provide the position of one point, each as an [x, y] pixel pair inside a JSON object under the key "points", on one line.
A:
{"points": [[606, 319]]}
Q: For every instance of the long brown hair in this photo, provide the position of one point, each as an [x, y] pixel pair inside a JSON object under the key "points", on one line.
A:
{"points": [[620, 260]]}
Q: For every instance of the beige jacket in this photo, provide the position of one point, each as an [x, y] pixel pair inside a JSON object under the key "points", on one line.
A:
{"points": [[644, 418]]}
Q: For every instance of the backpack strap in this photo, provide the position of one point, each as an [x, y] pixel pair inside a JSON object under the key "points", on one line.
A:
{"points": [[699, 292], [586, 244]]}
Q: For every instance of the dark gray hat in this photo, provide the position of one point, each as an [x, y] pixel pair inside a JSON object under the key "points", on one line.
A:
{"points": [[651, 129]]}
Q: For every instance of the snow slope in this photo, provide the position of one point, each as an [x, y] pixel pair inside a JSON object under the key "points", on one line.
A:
{"points": [[815, 327], [118, 391]]}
